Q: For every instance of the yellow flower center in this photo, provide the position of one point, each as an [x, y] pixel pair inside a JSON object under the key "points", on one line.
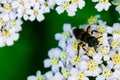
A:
{"points": [[6, 33], [24, 11], [115, 44], [106, 73], [36, 0], [80, 75], [116, 58], [54, 61], [41, 78], [75, 45], [91, 51], [92, 20], [35, 12], [66, 35], [116, 32], [8, 7], [63, 55], [21, 2], [92, 65], [1, 21], [76, 59], [66, 73], [103, 50], [66, 5], [101, 28], [103, 1], [12, 24], [75, 1]]}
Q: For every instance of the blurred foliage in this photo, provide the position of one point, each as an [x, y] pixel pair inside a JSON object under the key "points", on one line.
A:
{"points": [[26, 56]]}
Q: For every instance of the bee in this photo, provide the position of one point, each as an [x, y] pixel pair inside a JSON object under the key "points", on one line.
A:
{"points": [[85, 37]]}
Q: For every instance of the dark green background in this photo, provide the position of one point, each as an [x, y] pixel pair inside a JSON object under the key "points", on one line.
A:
{"points": [[26, 56]]}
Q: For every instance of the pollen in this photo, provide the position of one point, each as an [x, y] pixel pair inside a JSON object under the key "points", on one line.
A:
{"points": [[74, 45], [80, 75], [115, 44], [92, 65], [75, 1], [106, 73], [66, 5], [116, 58], [92, 20], [24, 11], [63, 55], [6, 33], [103, 1], [66, 73], [36, 0], [101, 28], [1, 21], [12, 24], [8, 7], [116, 32], [35, 12], [54, 61], [66, 35], [21, 2], [41, 78], [103, 50], [91, 51], [76, 59]]}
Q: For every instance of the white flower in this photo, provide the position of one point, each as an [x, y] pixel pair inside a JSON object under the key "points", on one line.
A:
{"points": [[36, 13], [77, 75], [92, 66], [117, 3], [50, 76], [53, 61], [102, 5], [116, 31], [62, 37], [104, 52], [69, 5], [106, 74], [38, 76]]}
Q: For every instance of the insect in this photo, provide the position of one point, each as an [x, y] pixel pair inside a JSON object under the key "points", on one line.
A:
{"points": [[85, 37]]}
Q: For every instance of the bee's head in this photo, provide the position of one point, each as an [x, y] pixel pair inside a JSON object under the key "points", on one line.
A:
{"points": [[92, 41]]}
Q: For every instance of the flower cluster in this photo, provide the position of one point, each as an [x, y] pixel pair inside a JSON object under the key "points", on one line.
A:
{"points": [[11, 12], [100, 63], [105, 4], [10, 25], [70, 6]]}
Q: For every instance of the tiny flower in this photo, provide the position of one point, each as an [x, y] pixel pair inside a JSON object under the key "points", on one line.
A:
{"points": [[66, 73], [51, 76], [38, 76], [70, 6], [106, 74], [117, 3], [102, 5], [77, 75], [93, 19]]}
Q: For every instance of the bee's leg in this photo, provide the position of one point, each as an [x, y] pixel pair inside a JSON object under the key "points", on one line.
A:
{"points": [[78, 48], [99, 37], [84, 48], [89, 29], [96, 31], [95, 48]]}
